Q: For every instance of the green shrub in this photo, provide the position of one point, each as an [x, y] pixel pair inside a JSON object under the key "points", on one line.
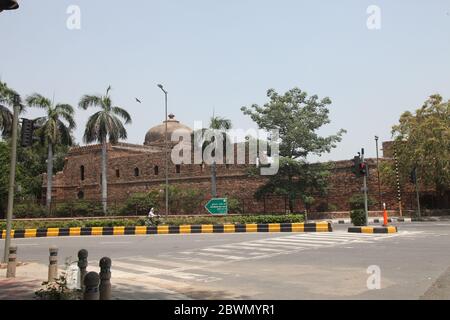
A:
{"points": [[30, 210], [357, 201], [358, 217], [234, 205], [140, 203], [77, 208], [326, 207]]}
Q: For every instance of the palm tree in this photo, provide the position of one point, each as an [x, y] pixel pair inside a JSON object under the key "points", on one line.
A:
{"points": [[221, 124], [55, 128], [103, 125], [7, 96]]}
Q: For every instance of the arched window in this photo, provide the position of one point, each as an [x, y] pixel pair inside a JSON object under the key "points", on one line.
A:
{"points": [[136, 172], [178, 168], [80, 195], [117, 173], [156, 170], [82, 173]]}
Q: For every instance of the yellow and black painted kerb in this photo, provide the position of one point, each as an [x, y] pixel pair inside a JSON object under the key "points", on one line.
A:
{"points": [[373, 229], [163, 229]]}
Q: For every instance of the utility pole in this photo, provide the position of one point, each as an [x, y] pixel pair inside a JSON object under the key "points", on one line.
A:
{"points": [[378, 174], [12, 177], [166, 151], [366, 207]]}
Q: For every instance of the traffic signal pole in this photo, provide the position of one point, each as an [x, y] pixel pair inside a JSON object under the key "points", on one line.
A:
{"points": [[12, 178], [366, 207], [417, 192]]}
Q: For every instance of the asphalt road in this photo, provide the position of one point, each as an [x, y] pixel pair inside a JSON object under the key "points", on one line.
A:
{"points": [[413, 264]]}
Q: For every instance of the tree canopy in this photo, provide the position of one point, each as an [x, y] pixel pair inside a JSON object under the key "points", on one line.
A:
{"points": [[422, 141], [298, 117]]}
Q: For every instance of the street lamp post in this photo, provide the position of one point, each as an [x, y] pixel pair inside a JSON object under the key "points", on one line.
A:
{"points": [[12, 177], [378, 174], [165, 151]]}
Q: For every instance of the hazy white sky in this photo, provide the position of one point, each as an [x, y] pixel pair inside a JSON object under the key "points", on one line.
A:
{"points": [[226, 54]]}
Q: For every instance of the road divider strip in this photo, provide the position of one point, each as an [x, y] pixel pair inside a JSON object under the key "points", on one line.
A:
{"points": [[372, 229], [183, 229]]}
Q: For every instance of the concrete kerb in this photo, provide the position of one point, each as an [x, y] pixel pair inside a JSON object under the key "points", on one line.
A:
{"points": [[389, 229], [168, 229]]}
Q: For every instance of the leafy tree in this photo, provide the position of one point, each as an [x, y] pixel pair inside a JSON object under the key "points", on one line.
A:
{"points": [[102, 126], [297, 117], [422, 140], [55, 128]]}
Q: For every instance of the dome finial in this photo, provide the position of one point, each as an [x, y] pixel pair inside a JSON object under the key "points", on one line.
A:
{"points": [[171, 116]]}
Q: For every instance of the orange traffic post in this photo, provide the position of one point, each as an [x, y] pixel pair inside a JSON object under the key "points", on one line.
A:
{"points": [[385, 216]]}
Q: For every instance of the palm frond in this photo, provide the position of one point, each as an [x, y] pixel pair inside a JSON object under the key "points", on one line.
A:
{"points": [[90, 101], [122, 113], [38, 101], [66, 112]]}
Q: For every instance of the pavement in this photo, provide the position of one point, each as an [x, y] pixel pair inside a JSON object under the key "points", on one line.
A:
{"points": [[413, 264]]}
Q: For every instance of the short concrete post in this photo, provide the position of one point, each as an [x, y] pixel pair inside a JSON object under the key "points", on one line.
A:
{"points": [[91, 281], [53, 264], [11, 268], [105, 277], [82, 264]]}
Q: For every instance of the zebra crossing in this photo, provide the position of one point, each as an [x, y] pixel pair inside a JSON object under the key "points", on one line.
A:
{"points": [[196, 265]]}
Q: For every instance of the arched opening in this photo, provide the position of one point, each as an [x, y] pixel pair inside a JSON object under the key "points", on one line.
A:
{"points": [[82, 173], [80, 195], [178, 168], [136, 172], [117, 173], [156, 170]]}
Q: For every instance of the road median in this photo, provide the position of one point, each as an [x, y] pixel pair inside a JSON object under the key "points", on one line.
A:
{"points": [[170, 229]]}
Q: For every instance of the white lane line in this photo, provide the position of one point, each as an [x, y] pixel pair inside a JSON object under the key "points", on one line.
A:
{"points": [[291, 243], [302, 241], [28, 244], [221, 256], [247, 246], [216, 250], [152, 271], [155, 261]]}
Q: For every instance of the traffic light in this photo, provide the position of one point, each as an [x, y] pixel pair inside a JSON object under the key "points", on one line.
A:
{"points": [[356, 168], [363, 170], [359, 168], [26, 139]]}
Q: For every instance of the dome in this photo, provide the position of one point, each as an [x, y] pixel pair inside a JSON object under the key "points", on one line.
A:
{"points": [[156, 134]]}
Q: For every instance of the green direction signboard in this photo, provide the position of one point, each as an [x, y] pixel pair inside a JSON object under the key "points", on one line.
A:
{"points": [[217, 206]]}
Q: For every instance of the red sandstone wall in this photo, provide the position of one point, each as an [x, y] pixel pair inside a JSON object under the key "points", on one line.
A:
{"points": [[232, 181]]}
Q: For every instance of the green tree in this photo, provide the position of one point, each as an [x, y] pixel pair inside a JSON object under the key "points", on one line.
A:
{"points": [[297, 117], [222, 125], [218, 124], [102, 126], [7, 96], [422, 140], [55, 129]]}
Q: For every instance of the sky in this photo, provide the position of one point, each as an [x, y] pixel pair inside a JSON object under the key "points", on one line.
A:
{"points": [[217, 56]]}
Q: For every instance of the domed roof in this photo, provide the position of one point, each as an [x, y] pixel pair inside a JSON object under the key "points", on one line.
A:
{"points": [[156, 134]]}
